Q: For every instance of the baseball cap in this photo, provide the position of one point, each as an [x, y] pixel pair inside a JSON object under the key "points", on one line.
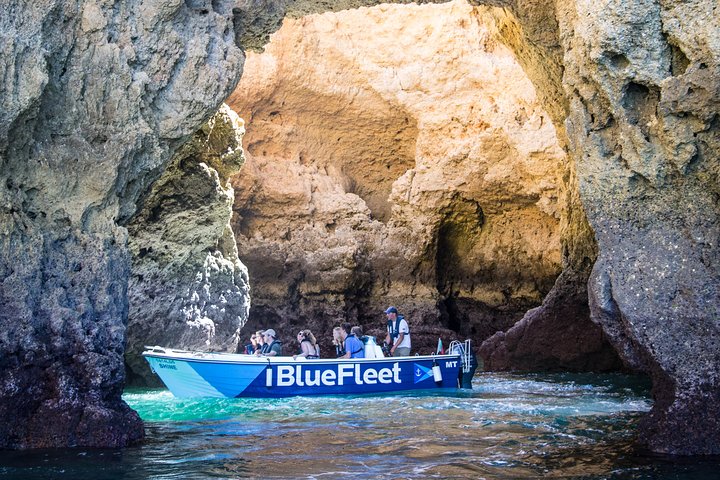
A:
{"points": [[391, 310], [270, 332]]}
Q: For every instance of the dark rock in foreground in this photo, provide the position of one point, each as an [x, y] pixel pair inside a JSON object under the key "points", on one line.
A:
{"points": [[556, 336], [95, 98]]}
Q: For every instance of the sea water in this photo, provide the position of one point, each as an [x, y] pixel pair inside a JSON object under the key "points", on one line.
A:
{"points": [[508, 427]]}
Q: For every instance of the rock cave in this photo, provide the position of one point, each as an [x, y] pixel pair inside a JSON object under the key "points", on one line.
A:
{"points": [[572, 208]]}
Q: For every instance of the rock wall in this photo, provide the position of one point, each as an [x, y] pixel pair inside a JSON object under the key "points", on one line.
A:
{"points": [[643, 81], [187, 286], [559, 334], [638, 84], [96, 96], [396, 155]]}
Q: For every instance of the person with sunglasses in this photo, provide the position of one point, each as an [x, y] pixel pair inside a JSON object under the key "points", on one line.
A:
{"points": [[260, 342], [308, 345], [251, 347]]}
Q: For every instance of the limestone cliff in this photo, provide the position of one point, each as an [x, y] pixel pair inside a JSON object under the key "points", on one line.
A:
{"points": [[187, 287], [396, 155], [96, 95], [633, 87], [643, 83]]}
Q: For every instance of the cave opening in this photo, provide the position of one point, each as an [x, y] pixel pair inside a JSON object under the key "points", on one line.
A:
{"points": [[392, 124], [456, 238], [390, 231]]}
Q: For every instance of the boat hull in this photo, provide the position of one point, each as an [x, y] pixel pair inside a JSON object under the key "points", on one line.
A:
{"points": [[196, 374]]}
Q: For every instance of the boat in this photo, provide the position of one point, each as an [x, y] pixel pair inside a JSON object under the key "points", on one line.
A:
{"points": [[212, 374]]}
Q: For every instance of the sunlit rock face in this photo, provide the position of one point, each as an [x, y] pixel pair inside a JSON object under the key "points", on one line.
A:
{"points": [[95, 97], [396, 155], [187, 287]]}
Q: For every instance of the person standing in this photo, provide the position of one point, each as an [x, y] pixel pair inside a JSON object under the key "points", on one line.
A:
{"points": [[398, 336], [354, 348]]}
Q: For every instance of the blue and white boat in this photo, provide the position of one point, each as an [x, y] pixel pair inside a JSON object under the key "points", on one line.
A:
{"points": [[203, 374]]}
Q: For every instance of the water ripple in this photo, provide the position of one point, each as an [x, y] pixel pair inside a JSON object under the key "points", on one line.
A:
{"points": [[510, 426]]}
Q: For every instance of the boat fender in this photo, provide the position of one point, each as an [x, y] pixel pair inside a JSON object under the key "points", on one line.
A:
{"points": [[437, 374]]}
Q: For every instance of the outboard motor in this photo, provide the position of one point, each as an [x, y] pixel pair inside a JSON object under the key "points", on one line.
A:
{"points": [[469, 362]]}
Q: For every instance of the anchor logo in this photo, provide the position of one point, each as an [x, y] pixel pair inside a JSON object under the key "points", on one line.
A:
{"points": [[422, 373]]}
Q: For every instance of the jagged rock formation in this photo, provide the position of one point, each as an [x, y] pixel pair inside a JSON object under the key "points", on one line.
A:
{"points": [[638, 85], [645, 130], [397, 155], [641, 82], [96, 96], [187, 287]]}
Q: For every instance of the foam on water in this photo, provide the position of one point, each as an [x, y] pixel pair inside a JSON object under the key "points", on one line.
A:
{"points": [[509, 426]]}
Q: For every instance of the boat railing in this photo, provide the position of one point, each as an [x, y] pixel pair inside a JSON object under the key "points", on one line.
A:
{"points": [[463, 348]]}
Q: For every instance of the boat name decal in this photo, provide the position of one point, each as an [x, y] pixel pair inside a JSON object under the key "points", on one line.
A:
{"points": [[165, 363], [346, 373]]}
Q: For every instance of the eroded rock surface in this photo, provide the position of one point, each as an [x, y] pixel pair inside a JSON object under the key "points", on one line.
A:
{"points": [[643, 81], [396, 155], [187, 287], [95, 97], [639, 82]]}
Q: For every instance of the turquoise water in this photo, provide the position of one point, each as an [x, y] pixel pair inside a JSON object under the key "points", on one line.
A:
{"points": [[508, 427]]}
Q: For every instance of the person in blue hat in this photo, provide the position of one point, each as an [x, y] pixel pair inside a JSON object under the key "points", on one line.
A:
{"points": [[398, 336]]}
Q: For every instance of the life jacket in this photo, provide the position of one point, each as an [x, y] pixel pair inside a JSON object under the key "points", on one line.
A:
{"points": [[265, 348], [269, 348], [395, 332], [362, 347], [340, 350], [314, 347]]}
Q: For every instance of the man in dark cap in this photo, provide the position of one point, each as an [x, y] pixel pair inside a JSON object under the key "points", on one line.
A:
{"points": [[398, 336]]}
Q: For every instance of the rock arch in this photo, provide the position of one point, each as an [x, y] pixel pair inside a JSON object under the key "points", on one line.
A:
{"points": [[97, 98]]}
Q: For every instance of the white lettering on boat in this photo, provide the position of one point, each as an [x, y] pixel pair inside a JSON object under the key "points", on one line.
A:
{"points": [[345, 374]]}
